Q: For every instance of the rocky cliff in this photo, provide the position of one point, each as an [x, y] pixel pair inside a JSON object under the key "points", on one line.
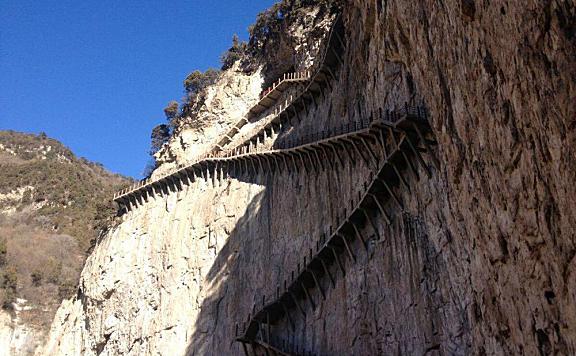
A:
{"points": [[454, 238]]}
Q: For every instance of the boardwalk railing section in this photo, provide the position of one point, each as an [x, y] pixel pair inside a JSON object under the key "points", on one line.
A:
{"points": [[281, 83], [316, 80], [255, 147], [268, 98], [331, 58], [402, 136]]}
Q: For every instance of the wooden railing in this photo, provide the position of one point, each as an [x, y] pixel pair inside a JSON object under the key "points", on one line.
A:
{"points": [[310, 77], [391, 118], [287, 77]]}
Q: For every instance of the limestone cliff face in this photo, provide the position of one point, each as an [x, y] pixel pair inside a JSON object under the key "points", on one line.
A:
{"points": [[481, 260], [499, 79], [226, 103]]}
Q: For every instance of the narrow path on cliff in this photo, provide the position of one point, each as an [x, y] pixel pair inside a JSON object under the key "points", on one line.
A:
{"points": [[400, 144], [284, 112]]}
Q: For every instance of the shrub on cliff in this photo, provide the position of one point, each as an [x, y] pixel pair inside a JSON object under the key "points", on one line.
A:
{"points": [[197, 81], [37, 277], [234, 53], [268, 23], [160, 135], [195, 86], [171, 111], [53, 271], [9, 284], [67, 288], [3, 252]]}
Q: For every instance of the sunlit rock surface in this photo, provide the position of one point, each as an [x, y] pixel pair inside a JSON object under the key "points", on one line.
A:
{"points": [[482, 260]]}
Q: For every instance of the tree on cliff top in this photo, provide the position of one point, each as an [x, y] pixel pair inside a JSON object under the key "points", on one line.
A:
{"points": [[195, 86], [197, 81], [159, 136], [234, 53], [171, 110]]}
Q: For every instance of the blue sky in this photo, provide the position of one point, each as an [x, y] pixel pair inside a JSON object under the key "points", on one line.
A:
{"points": [[96, 74]]}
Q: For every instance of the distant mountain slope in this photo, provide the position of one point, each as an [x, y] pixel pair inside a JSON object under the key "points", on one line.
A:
{"points": [[52, 205]]}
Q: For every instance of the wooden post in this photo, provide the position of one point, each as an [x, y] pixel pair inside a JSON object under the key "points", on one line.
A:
{"points": [[309, 270], [391, 192], [337, 258], [369, 149], [265, 157], [285, 163], [293, 296], [244, 348], [330, 72], [293, 161], [367, 215], [343, 238], [337, 55], [308, 296], [418, 156], [314, 166], [380, 207], [253, 166], [260, 163], [326, 155], [268, 327], [327, 82], [313, 98], [382, 141], [319, 160], [288, 316], [398, 148], [346, 149], [339, 39], [358, 151], [329, 144], [327, 271], [302, 161], [359, 236], [274, 158]]}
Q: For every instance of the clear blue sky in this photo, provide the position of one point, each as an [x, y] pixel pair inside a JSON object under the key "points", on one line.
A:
{"points": [[96, 74]]}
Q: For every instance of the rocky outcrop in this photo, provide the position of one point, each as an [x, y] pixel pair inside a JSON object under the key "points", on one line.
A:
{"points": [[18, 337], [481, 260], [227, 101]]}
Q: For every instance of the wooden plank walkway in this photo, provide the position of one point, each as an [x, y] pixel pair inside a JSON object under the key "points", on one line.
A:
{"points": [[267, 100], [304, 153], [270, 96], [331, 57], [316, 83], [250, 160], [401, 143]]}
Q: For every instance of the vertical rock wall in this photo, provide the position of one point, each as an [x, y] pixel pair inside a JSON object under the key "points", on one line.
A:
{"points": [[481, 260], [498, 78]]}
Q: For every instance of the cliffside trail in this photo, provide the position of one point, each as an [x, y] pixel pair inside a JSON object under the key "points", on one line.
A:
{"points": [[413, 194]]}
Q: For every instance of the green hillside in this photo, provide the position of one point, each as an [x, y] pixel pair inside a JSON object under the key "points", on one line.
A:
{"points": [[53, 206]]}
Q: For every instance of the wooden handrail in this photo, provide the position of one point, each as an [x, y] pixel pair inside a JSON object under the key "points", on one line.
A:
{"points": [[392, 117]]}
